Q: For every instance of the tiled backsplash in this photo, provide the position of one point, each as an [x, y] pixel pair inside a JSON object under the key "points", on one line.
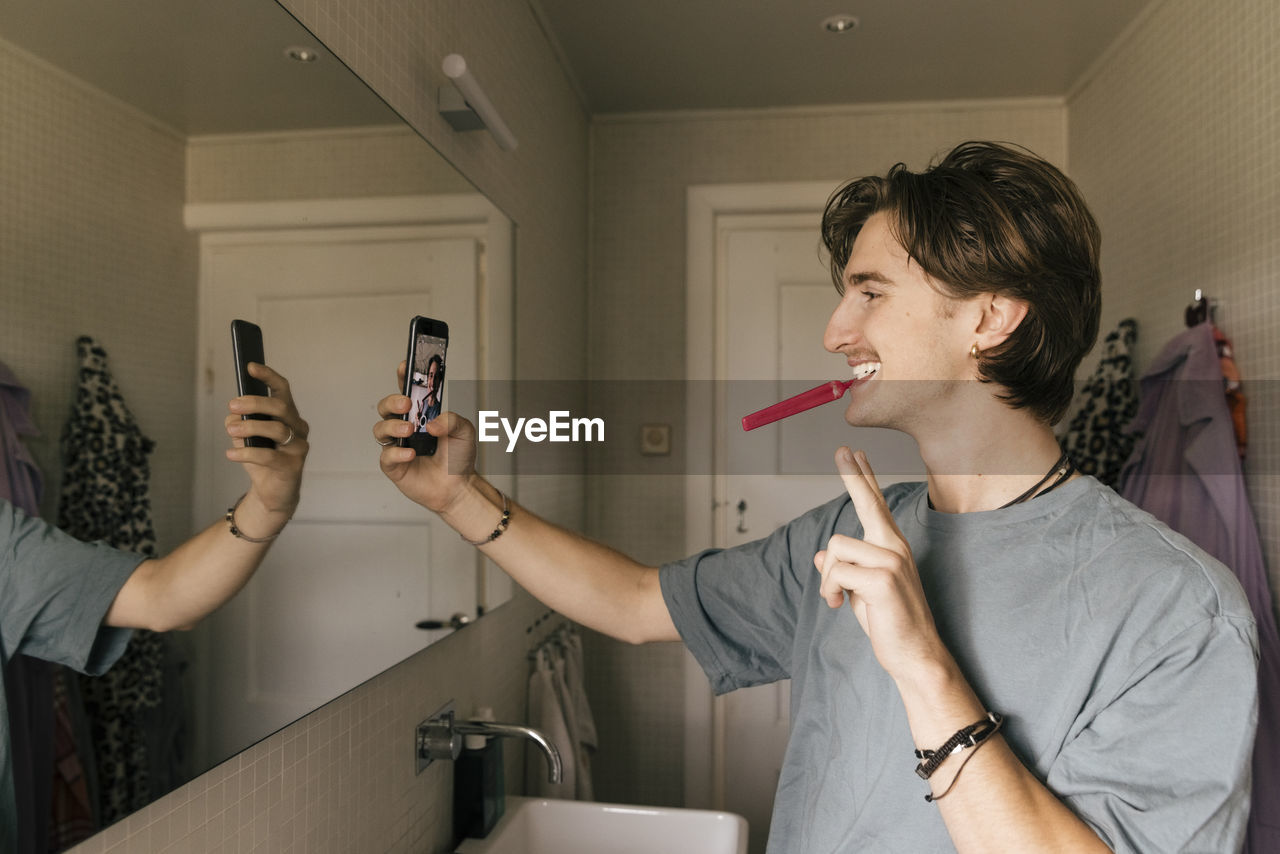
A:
{"points": [[342, 779]]}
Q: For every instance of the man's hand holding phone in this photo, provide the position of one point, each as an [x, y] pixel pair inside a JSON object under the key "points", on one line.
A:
{"points": [[423, 381], [269, 436], [434, 481], [275, 472]]}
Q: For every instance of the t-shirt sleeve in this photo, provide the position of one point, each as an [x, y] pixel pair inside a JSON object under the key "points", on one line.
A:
{"points": [[736, 609], [56, 590], [1191, 705]]}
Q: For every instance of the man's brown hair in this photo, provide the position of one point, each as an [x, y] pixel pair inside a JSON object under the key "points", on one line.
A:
{"points": [[991, 218]]}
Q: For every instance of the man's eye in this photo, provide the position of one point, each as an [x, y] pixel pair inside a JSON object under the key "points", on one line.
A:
{"points": [[870, 295]]}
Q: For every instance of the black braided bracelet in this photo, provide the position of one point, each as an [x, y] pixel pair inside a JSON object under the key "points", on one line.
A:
{"points": [[971, 736]]}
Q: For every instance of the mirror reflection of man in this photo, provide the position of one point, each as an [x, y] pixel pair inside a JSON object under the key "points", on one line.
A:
{"points": [[1063, 671], [424, 393], [418, 400], [72, 603], [435, 376]]}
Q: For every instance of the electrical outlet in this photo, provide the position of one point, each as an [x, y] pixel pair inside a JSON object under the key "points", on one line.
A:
{"points": [[655, 440]]}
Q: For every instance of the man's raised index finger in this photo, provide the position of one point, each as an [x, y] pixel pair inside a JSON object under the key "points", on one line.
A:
{"points": [[863, 488]]}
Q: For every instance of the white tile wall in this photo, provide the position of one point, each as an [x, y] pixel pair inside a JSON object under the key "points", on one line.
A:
{"points": [[92, 243], [1176, 143]]}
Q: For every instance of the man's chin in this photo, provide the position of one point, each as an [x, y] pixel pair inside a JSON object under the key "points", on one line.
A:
{"points": [[860, 415]]}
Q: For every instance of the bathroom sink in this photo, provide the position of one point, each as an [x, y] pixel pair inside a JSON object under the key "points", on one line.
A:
{"points": [[547, 826]]}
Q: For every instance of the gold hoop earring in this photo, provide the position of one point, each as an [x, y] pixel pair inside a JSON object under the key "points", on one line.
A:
{"points": [[973, 351]]}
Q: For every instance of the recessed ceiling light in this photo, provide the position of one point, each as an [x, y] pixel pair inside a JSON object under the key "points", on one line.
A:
{"points": [[840, 23], [302, 54]]}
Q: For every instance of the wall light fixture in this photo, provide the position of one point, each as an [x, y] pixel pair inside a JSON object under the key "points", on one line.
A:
{"points": [[466, 107]]}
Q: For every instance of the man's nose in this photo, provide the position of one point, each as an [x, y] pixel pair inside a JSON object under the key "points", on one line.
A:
{"points": [[841, 328]]}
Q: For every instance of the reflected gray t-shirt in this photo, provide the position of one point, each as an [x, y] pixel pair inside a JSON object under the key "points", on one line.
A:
{"points": [[54, 593], [1122, 656]]}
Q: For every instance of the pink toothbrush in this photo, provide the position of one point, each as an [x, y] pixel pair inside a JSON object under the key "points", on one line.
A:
{"points": [[825, 393]]}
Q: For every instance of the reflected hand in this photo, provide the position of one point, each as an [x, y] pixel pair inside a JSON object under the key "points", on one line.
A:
{"points": [[275, 474], [879, 577], [436, 481]]}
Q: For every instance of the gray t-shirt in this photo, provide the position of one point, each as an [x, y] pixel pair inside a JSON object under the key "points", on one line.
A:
{"points": [[54, 593], [1123, 657]]}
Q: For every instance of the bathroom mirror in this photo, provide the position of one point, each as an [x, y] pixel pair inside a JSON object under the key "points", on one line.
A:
{"points": [[169, 165]]}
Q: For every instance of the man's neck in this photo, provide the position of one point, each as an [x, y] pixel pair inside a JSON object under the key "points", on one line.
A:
{"points": [[996, 457]]}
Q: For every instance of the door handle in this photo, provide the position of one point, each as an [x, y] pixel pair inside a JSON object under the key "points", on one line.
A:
{"points": [[455, 622], [742, 517]]}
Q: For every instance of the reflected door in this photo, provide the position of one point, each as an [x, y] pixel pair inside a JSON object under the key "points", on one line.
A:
{"points": [[338, 595]]}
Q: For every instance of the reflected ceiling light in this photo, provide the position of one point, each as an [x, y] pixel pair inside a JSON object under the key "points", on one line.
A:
{"points": [[302, 54], [840, 23]]}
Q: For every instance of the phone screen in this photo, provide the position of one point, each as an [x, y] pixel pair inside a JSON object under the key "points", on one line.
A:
{"points": [[424, 382]]}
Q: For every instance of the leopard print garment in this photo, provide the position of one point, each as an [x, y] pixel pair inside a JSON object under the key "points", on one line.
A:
{"points": [[1108, 400], [105, 497]]}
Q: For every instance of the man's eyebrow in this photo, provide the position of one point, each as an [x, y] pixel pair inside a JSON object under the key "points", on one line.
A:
{"points": [[855, 279]]}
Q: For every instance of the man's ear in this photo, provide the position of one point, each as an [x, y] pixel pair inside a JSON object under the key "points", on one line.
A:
{"points": [[1001, 315]]}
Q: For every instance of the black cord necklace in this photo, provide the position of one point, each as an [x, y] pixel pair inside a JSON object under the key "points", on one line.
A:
{"points": [[1061, 470]]}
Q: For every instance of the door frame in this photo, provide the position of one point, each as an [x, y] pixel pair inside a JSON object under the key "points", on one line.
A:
{"points": [[705, 495]]}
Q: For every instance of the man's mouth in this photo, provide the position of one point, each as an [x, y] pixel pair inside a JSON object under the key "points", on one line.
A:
{"points": [[864, 370]]}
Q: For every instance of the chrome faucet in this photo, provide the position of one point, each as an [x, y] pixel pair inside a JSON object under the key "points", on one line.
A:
{"points": [[440, 737]]}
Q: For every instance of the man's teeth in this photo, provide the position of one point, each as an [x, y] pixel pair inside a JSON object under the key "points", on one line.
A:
{"points": [[865, 370]]}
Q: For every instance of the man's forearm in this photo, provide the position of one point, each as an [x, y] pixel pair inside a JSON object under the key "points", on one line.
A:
{"points": [[195, 579], [996, 804], [587, 582]]}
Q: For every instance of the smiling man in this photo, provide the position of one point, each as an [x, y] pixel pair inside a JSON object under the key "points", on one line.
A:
{"points": [[1026, 662]]}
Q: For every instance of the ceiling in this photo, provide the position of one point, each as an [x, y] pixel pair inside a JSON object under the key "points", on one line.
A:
{"points": [[190, 63], [198, 66], [709, 54]]}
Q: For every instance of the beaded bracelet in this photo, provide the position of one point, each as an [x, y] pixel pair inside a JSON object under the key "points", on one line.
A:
{"points": [[502, 523], [235, 530]]}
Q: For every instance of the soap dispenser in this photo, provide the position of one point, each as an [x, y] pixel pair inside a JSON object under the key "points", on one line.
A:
{"points": [[479, 796]]}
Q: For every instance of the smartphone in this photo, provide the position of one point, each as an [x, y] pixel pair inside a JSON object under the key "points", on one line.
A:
{"points": [[424, 380], [246, 346]]}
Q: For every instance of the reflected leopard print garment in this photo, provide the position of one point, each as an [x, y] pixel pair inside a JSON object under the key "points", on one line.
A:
{"points": [[105, 497]]}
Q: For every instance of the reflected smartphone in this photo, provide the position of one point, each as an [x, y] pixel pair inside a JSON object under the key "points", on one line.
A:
{"points": [[424, 380], [246, 346]]}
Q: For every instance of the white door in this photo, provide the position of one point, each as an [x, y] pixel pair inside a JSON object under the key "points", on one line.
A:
{"points": [[338, 596], [777, 295]]}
